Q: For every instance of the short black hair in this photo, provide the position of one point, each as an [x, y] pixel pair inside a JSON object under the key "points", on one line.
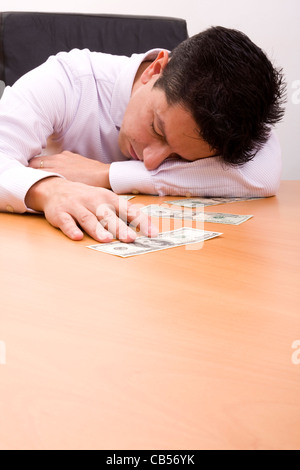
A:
{"points": [[231, 88]]}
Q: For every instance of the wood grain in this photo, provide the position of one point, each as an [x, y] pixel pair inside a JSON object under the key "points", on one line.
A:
{"points": [[176, 349]]}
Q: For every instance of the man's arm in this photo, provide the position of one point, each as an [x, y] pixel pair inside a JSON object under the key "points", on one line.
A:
{"points": [[205, 177], [28, 116]]}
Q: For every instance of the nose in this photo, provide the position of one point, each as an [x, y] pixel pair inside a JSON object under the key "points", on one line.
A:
{"points": [[153, 156]]}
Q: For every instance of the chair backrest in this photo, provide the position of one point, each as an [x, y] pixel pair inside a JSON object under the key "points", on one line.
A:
{"points": [[27, 39]]}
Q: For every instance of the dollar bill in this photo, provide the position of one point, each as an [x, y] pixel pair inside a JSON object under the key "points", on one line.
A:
{"points": [[228, 219], [155, 210], [209, 201], [214, 217], [142, 245]]}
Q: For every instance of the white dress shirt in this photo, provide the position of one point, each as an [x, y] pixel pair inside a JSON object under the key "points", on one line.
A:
{"points": [[76, 101]]}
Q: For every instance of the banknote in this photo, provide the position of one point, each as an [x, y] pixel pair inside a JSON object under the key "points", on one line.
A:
{"points": [[220, 218], [209, 201], [214, 217], [155, 210], [142, 245]]}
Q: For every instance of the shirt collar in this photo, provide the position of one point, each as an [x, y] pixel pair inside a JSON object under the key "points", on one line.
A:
{"points": [[123, 85]]}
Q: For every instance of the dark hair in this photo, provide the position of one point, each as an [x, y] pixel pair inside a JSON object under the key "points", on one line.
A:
{"points": [[231, 89]]}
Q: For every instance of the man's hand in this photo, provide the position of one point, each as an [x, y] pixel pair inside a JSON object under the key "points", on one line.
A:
{"points": [[74, 167], [99, 212]]}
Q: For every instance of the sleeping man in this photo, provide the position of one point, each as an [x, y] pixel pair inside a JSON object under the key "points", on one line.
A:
{"points": [[85, 127]]}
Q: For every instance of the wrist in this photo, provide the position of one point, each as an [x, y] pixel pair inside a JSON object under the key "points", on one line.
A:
{"points": [[39, 193], [103, 176]]}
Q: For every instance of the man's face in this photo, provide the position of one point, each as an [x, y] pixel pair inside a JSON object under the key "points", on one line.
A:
{"points": [[153, 131]]}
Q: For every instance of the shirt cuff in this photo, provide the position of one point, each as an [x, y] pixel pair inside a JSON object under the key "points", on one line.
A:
{"points": [[131, 177], [14, 185]]}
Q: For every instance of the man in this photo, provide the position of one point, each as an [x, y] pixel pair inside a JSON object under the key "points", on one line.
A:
{"points": [[195, 123]]}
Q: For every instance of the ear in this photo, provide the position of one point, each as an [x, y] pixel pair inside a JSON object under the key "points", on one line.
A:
{"points": [[156, 67]]}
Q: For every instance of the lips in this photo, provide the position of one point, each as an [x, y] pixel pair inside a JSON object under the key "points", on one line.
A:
{"points": [[133, 154]]}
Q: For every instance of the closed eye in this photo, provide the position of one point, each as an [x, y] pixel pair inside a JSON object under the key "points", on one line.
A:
{"points": [[156, 133]]}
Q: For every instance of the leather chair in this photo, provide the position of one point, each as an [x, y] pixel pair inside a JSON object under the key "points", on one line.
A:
{"points": [[27, 39]]}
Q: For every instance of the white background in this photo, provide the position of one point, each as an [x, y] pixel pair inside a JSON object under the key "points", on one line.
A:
{"points": [[274, 25]]}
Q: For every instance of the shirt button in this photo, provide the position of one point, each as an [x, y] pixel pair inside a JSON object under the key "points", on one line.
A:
{"points": [[10, 209], [135, 191]]}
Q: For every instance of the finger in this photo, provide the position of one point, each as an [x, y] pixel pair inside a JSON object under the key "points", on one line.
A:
{"points": [[38, 163], [67, 225], [35, 162], [113, 224], [103, 235], [90, 224], [143, 222], [136, 218]]}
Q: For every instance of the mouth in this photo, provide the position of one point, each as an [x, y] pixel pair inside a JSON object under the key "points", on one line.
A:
{"points": [[133, 154]]}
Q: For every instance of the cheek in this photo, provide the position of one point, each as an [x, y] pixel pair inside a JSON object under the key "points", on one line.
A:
{"points": [[137, 120], [136, 130], [130, 121], [128, 134]]}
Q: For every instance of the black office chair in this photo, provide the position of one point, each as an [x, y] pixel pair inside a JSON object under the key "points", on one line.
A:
{"points": [[27, 39]]}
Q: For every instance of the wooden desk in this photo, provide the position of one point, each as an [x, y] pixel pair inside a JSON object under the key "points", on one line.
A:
{"points": [[171, 350]]}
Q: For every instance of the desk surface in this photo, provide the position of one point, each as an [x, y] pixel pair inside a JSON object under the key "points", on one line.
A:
{"points": [[175, 349]]}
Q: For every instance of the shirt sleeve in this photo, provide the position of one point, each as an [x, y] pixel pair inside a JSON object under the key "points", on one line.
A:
{"points": [[30, 111], [205, 177]]}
